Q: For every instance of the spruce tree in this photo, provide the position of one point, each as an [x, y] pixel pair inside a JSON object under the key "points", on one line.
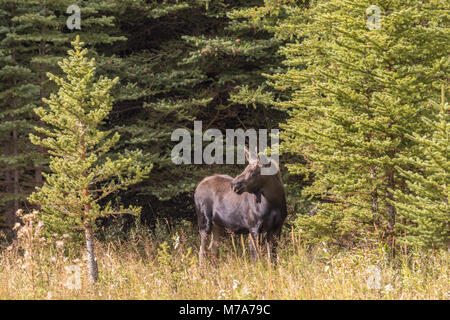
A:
{"points": [[42, 28], [357, 92], [425, 210], [33, 37], [17, 92], [81, 175], [191, 61]]}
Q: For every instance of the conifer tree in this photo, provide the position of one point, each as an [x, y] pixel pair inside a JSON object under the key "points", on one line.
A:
{"points": [[33, 36], [425, 210], [81, 175], [357, 91], [17, 93], [191, 61], [42, 28]]}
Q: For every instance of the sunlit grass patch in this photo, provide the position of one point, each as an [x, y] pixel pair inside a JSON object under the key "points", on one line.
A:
{"points": [[146, 268]]}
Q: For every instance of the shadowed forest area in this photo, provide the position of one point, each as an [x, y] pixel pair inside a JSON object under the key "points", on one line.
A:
{"points": [[92, 91]]}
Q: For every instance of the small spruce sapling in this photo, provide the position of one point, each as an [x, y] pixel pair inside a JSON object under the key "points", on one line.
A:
{"points": [[81, 173]]}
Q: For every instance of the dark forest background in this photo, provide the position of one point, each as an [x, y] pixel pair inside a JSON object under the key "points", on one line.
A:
{"points": [[348, 100], [177, 61]]}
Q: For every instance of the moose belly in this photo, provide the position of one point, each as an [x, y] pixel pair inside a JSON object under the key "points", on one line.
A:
{"points": [[234, 228], [242, 219]]}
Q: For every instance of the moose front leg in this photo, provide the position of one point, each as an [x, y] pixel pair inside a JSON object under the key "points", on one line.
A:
{"points": [[254, 244], [273, 239], [271, 245]]}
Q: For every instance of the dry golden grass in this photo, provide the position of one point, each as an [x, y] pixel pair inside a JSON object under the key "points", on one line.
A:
{"points": [[145, 268]]}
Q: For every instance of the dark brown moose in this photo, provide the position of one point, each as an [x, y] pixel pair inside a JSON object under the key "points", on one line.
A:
{"points": [[251, 203]]}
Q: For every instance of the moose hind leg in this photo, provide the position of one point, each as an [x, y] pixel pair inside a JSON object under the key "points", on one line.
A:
{"points": [[215, 236], [203, 239], [204, 225]]}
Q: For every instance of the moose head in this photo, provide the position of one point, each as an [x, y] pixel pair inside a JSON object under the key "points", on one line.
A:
{"points": [[250, 180]]}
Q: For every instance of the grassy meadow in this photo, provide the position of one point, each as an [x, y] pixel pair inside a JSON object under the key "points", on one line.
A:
{"points": [[144, 267]]}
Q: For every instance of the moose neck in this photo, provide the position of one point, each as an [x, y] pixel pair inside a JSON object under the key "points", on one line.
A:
{"points": [[270, 189]]}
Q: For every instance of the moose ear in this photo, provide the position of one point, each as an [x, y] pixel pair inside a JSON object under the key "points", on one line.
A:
{"points": [[251, 158], [247, 154]]}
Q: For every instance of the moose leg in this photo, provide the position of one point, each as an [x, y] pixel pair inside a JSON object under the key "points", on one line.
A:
{"points": [[254, 240], [214, 245], [203, 239], [204, 225], [272, 240], [269, 245]]}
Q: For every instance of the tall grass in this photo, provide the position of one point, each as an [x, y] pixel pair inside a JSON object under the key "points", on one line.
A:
{"points": [[145, 267]]}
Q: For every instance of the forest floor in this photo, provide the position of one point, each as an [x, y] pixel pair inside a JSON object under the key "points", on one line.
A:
{"points": [[143, 267]]}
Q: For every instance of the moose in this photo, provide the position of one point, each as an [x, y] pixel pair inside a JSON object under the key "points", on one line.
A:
{"points": [[250, 203]]}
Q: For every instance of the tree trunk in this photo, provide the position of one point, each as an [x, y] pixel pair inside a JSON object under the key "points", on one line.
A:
{"points": [[12, 148], [374, 191], [10, 213], [16, 174], [390, 209], [42, 93], [91, 261]]}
